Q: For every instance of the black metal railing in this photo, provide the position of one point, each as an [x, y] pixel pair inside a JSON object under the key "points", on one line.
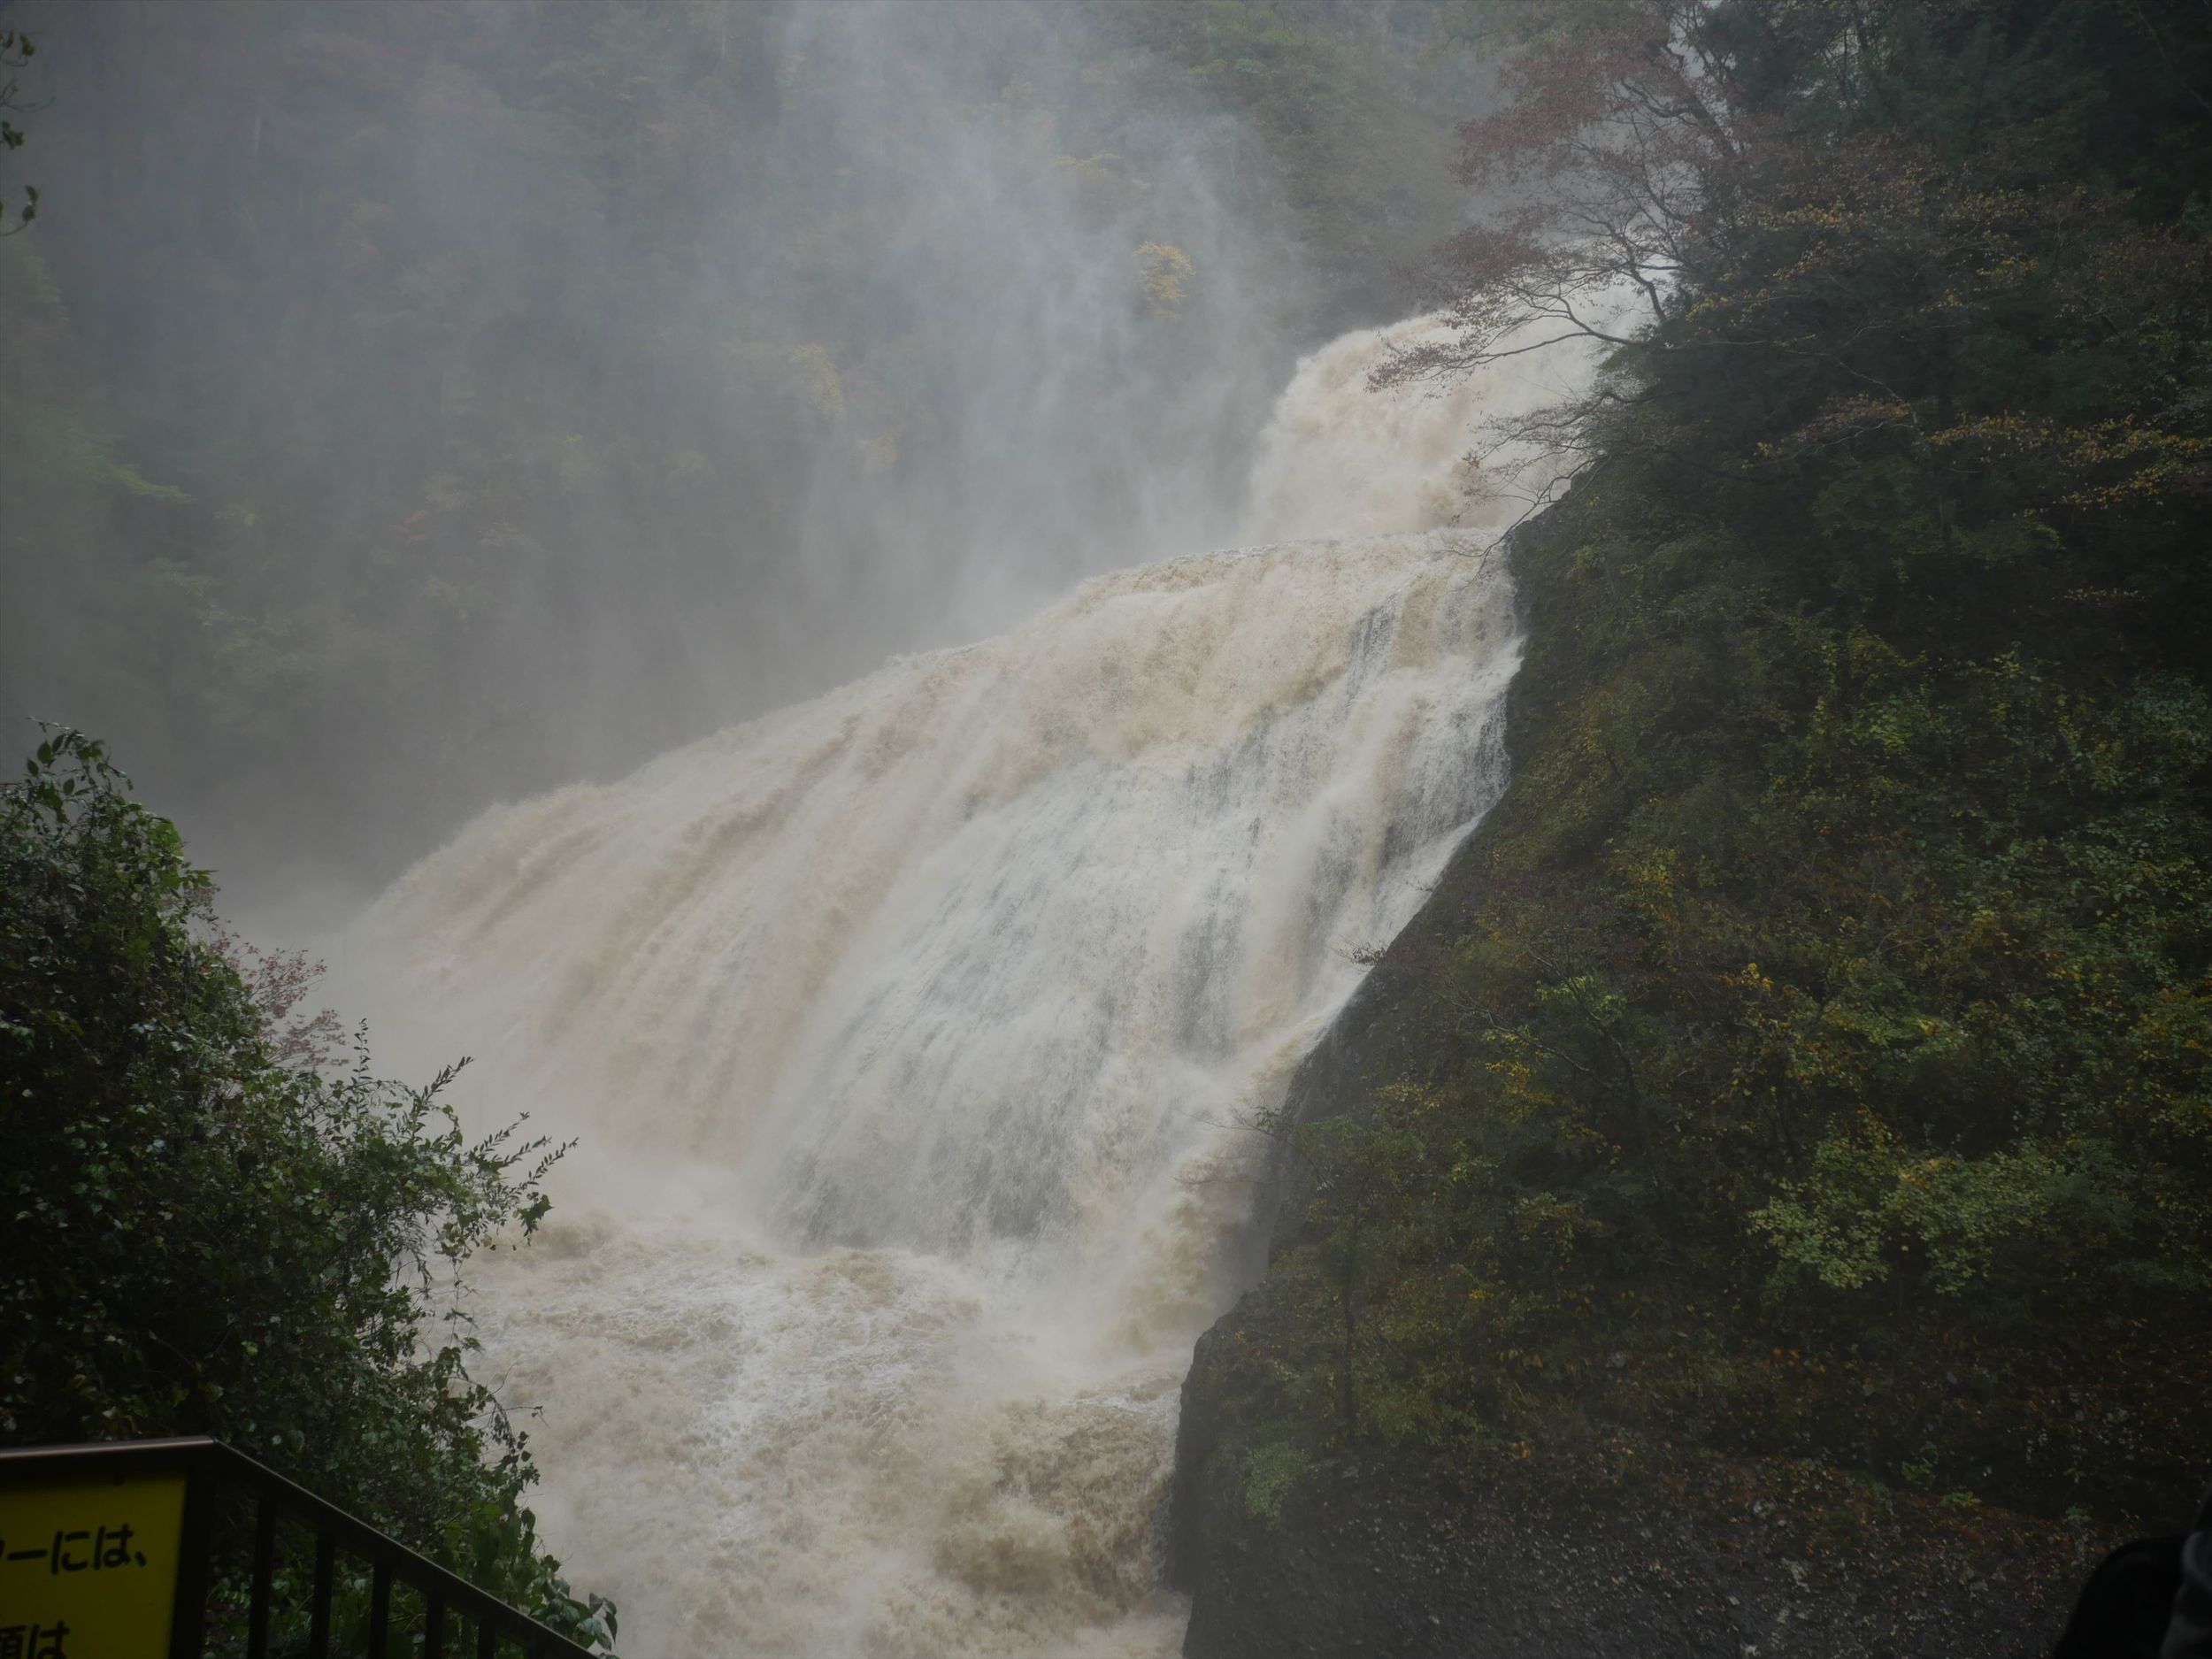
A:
{"points": [[453, 1609]]}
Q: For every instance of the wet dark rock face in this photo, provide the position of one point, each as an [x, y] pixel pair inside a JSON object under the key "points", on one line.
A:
{"points": [[1348, 1566], [1360, 1565]]}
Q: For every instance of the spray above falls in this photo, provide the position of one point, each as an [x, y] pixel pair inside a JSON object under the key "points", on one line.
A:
{"points": [[913, 1033]]}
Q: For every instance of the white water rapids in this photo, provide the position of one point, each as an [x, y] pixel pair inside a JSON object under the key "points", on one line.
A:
{"points": [[910, 1033]]}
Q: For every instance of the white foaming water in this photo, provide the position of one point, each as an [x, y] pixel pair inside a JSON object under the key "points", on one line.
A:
{"points": [[911, 1032], [1336, 455]]}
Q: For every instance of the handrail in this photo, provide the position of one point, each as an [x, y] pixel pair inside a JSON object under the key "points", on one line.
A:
{"points": [[205, 1461]]}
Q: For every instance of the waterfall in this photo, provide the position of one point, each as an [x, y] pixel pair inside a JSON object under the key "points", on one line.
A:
{"points": [[913, 1034]]}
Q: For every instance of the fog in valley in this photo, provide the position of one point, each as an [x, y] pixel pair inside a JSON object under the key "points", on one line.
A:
{"points": [[418, 406]]}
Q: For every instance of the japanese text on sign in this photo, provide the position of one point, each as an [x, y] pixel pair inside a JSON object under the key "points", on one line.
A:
{"points": [[89, 1570]]}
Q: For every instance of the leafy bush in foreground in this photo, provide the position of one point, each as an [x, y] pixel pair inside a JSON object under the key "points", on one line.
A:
{"points": [[202, 1238]]}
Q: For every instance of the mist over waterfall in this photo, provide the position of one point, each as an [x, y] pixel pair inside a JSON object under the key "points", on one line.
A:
{"points": [[913, 1034]]}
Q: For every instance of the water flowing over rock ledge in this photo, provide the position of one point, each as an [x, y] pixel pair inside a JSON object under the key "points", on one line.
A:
{"points": [[917, 1031]]}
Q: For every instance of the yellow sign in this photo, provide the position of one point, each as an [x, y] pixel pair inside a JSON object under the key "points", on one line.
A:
{"points": [[88, 1570]]}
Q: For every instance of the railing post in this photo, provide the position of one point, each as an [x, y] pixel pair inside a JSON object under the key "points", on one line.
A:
{"points": [[380, 1607], [432, 1625], [264, 1525], [318, 1609]]}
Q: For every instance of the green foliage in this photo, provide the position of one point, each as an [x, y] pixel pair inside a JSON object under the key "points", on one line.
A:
{"points": [[204, 1240], [1270, 1471], [1829, 997], [495, 1545]]}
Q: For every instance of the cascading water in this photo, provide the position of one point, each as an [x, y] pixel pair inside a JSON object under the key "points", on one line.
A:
{"points": [[912, 1034]]}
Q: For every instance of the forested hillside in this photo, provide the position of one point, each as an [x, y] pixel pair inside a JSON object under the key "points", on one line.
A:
{"points": [[412, 407], [1791, 1117]]}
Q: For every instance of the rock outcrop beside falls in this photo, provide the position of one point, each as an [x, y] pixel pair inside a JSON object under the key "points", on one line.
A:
{"points": [[1541, 1555], [1408, 1560], [1384, 1562]]}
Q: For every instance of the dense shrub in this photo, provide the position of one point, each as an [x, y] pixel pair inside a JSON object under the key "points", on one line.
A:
{"points": [[1810, 1055], [205, 1239]]}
